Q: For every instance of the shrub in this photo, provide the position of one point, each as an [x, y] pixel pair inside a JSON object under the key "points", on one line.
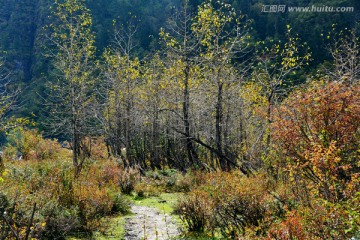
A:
{"points": [[326, 220], [128, 179], [64, 204], [147, 189], [183, 183], [29, 144], [227, 203], [195, 210], [170, 180], [60, 222], [168, 172], [120, 204], [318, 131], [290, 228]]}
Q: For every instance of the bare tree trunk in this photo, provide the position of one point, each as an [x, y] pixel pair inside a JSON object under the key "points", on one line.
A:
{"points": [[74, 138], [268, 120], [192, 155], [155, 160], [219, 122]]}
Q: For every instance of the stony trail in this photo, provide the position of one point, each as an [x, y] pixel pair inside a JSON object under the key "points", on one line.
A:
{"points": [[149, 224]]}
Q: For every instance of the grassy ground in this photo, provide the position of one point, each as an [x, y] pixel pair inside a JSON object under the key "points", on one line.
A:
{"points": [[164, 203], [115, 230]]}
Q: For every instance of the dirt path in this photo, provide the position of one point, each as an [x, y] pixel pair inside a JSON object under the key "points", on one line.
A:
{"points": [[149, 224]]}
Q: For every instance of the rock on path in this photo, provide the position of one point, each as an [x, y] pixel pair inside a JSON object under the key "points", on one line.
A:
{"points": [[149, 224]]}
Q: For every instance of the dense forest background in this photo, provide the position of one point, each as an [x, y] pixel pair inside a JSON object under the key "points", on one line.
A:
{"points": [[22, 36]]}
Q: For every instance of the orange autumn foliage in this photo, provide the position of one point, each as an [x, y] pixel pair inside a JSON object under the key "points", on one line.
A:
{"points": [[318, 131]]}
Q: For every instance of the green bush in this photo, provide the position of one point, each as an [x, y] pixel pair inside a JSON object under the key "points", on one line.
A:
{"points": [[121, 204], [60, 222]]}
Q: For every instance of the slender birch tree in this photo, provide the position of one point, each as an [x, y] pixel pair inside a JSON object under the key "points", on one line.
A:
{"points": [[72, 93]]}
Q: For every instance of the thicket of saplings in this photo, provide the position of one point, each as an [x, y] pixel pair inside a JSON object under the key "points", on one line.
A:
{"points": [[306, 188]]}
